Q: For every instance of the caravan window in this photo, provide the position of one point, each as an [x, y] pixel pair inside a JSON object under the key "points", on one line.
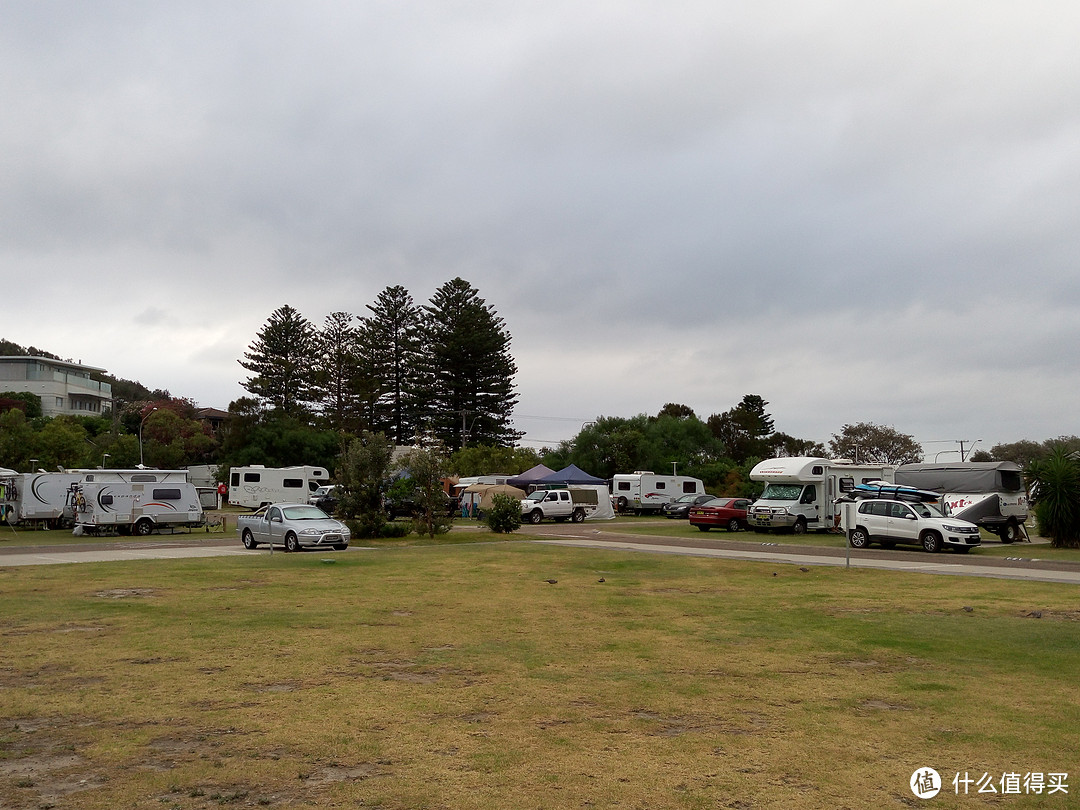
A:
{"points": [[624, 486], [143, 477], [689, 487], [846, 484], [1011, 481], [293, 483], [252, 478], [105, 500], [166, 494], [235, 479], [817, 470], [661, 485]]}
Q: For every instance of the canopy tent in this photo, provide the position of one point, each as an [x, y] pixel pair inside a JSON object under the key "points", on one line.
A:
{"points": [[571, 475], [530, 476], [481, 494]]}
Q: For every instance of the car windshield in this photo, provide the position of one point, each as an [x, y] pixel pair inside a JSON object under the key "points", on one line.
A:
{"points": [[685, 499], [538, 495], [304, 513], [782, 492], [926, 510]]}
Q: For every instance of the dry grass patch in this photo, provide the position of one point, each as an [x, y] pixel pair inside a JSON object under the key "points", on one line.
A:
{"points": [[461, 678]]}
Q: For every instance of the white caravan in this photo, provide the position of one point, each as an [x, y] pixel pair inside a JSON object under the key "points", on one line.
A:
{"points": [[801, 492], [255, 486], [44, 497], [645, 491], [136, 508]]}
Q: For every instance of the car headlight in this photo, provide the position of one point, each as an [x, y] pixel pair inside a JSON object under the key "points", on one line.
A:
{"points": [[310, 532], [958, 529]]}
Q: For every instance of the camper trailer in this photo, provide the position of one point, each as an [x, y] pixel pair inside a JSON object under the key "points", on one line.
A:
{"points": [[801, 492], [990, 494], [135, 507], [255, 486], [645, 491], [44, 498]]}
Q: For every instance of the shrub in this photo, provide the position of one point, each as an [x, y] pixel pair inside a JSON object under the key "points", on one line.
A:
{"points": [[1055, 490], [504, 516]]}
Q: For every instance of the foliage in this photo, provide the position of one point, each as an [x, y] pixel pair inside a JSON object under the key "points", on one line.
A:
{"points": [[28, 403], [427, 467], [280, 362], [362, 477], [1054, 482], [1025, 452], [391, 345], [504, 516], [257, 436], [469, 372], [485, 459], [867, 443], [16, 441], [339, 381], [744, 430]]}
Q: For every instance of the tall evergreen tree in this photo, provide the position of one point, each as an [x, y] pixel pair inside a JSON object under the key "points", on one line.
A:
{"points": [[745, 429], [390, 339], [280, 361], [340, 382], [469, 372]]}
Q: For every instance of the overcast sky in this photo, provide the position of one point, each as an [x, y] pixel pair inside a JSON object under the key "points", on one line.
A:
{"points": [[861, 211]]}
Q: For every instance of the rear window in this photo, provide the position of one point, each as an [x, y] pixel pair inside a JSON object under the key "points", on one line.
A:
{"points": [[1011, 481], [166, 494]]}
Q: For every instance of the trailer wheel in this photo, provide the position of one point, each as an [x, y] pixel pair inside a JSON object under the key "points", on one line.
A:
{"points": [[144, 527], [291, 542], [733, 525], [578, 516], [248, 540], [1011, 532], [799, 527], [623, 503], [535, 516]]}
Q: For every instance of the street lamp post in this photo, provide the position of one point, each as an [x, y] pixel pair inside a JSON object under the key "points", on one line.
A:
{"points": [[103, 457], [141, 464]]}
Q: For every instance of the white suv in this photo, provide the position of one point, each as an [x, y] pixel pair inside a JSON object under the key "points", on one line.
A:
{"points": [[892, 522]]}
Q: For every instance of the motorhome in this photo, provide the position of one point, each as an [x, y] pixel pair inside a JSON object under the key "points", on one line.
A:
{"points": [[645, 491], [139, 508], [801, 492], [255, 486], [990, 494]]}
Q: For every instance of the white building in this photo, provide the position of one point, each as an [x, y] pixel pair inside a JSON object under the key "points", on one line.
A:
{"points": [[63, 387]]}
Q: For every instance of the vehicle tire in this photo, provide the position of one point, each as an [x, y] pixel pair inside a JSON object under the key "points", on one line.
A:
{"points": [[292, 543], [799, 527], [623, 503], [248, 539], [578, 516], [858, 538], [535, 516], [144, 527], [733, 525], [1011, 532], [703, 528], [931, 542]]}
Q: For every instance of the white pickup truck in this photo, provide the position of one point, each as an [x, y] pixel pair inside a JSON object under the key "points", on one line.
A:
{"points": [[559, 505], [293, 525]]}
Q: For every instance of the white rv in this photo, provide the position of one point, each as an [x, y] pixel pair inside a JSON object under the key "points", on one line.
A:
{"points": [[645, 491], [135, 507], [801, 492], [44, 497], [255, 486]]}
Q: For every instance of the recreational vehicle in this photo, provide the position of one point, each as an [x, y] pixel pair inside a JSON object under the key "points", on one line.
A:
{"points": [[136, 508], [990, 494], [645, 491], [255, 486], [801, 492], [44, 498]]}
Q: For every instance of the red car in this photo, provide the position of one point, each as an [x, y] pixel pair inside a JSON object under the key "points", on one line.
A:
{"points": [[727, 512]]}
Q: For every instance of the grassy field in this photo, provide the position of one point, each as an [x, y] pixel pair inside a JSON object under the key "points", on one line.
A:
{"points": [[460, 677]]}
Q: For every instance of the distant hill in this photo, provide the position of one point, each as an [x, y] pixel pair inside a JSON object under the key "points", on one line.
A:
{"points": [[125, 390]]}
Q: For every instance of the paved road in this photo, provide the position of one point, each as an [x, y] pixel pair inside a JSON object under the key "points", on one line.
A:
{"points": [[1026, 565]]}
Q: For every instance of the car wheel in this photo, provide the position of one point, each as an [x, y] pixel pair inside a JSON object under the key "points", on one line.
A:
{"points": [[931, 542], [703, 528], [292, 543], [144, 527], [858, 538], [249, 540], [536, 516], [578, 516], [733, 525], [799, 527]]}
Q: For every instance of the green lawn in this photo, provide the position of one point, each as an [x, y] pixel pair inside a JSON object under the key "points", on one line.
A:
{"points": [[459, 677]]}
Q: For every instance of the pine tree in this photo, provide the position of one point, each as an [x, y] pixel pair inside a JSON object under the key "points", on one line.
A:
{"points": [[469, 372], [280, 359], [390, 338], [340, 381]]}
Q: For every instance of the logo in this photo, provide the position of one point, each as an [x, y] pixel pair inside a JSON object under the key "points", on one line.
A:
{"points": [[925, 783]]}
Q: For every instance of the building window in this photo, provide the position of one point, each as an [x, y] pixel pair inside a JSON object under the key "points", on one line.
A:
{"points": [[59, 402]]}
